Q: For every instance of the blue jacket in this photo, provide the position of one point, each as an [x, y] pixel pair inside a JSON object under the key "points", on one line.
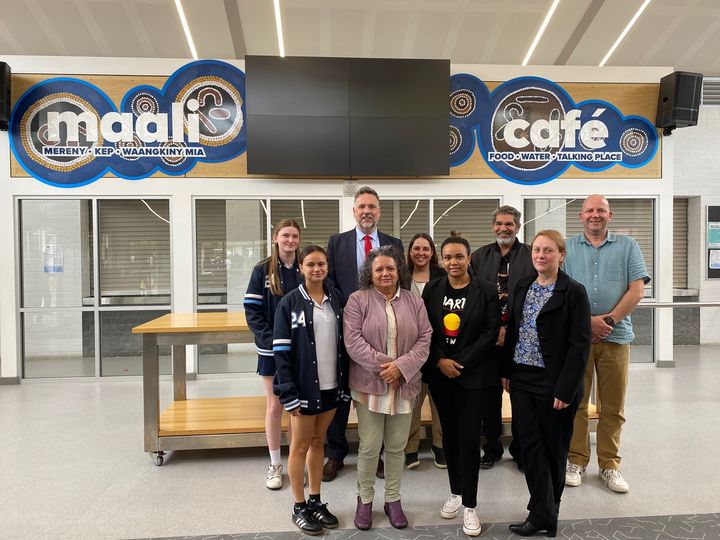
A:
{"points": [[260, 305], [296, 379]]}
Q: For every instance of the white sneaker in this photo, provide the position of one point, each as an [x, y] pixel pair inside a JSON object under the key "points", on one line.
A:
{"points": [[274, 477], [614, 480], [471, 522], [574, 474], [451, 507]]}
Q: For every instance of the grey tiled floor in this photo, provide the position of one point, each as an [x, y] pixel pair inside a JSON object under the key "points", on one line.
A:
{"points": [[686, 527], [72, 466]]}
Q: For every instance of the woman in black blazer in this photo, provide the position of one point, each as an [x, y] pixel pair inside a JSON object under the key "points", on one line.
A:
{"points": [[459, 370], [546, 351]]}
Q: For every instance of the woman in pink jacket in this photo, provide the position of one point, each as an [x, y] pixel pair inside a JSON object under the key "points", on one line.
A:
{"points": [[387, 336]]}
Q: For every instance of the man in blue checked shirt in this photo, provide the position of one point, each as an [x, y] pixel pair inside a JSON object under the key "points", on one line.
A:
{"points": [[612, 269]]}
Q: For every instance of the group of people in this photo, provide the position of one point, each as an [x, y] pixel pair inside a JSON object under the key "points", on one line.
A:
{"points": [[363, 322]]}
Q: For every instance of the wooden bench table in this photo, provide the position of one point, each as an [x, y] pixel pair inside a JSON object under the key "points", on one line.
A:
{"points": [[179, 330], [231, 422]]}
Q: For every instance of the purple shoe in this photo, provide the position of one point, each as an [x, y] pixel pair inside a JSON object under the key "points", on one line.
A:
{"points": [[363, 515], [395, 512]]}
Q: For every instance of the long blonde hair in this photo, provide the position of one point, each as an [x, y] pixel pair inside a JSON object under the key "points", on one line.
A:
{"points": [[272, 268]]}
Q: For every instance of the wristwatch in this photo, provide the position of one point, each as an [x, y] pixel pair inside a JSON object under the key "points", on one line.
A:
{"points": [[609, 321]]}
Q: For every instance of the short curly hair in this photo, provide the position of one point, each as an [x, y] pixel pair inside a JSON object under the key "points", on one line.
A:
{"points": [[365, 274]]}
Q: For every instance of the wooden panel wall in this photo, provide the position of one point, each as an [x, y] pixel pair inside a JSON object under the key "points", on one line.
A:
{"points": [[630, 99]]}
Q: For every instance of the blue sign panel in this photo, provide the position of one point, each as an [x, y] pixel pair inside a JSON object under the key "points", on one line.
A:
{"points": [[529, 130], [67, 132]]}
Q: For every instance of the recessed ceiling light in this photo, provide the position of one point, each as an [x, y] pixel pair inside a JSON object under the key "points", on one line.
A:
{"points": [[278, 27], [540, 32], [624, 33], [186, 28]]}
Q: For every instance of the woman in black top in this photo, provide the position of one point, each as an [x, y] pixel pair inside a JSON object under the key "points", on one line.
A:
{"points": [[546, 351], [463, 314]]}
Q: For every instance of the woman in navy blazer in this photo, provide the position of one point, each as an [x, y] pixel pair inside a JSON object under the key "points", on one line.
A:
{"points": [[546, 351]]}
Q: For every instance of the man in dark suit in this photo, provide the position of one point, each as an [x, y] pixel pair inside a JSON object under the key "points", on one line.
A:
{"points": [[502, 262], [346, 253]]}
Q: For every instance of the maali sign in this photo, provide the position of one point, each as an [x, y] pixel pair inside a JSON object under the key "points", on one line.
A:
{"points": [[67, 132]]}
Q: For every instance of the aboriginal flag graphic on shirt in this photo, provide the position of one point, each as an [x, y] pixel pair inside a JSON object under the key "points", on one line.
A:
{"points": [[453, 307]]}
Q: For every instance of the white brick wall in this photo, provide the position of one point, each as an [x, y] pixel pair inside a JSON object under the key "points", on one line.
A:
{"points": [[697, 176], [697, 156]]}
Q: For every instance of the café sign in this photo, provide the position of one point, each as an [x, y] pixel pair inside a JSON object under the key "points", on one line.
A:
{"points": [[529, 130]]}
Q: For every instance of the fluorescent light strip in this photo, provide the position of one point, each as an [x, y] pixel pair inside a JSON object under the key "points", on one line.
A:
{"points": [[278, 27], [186, 29], [624, 32], [541, 31]]}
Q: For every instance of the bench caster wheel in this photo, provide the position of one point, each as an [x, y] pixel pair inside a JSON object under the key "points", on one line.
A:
{"points": [[157, 457]]}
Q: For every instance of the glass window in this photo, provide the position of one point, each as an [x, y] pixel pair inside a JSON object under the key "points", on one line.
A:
{"points": [[470, 218], [56, 255], [632, 217], [134, 251], [404, 218], [58, 344], [227, 358], [231, 240], [232, 237], [121, 351], [56, 270], [318, 220]]}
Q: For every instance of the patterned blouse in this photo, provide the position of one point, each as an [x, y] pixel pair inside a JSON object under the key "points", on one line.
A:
{"points": [[527, 349]]}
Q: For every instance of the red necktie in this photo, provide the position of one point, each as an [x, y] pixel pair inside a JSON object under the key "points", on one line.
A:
{"points": [[368, 245]]}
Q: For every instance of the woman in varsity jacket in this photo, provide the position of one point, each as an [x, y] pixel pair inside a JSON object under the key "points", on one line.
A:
{"points": [[311, 377], [271, 279]]}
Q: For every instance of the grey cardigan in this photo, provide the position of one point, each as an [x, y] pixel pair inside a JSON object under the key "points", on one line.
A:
{"points": [[365, 335]]}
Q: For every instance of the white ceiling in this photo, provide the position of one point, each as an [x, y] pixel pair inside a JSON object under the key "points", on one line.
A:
{"points": [[680, 33]]}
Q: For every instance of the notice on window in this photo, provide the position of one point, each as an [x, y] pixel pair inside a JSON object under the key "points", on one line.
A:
{"points": [[713, 235], [714, 259], [53, 260]]}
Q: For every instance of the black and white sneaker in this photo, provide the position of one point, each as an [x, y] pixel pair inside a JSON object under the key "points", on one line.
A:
{"points": [[323, 515], [305, 521]]}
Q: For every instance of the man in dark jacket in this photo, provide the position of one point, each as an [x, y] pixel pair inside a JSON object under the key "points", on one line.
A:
{"points": [[502, 262], [346, 253]]}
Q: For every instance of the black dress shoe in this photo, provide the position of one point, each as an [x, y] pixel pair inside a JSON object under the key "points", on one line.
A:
{"points": [[331, 469], [528, 529], [380, 471], [487, 462]]}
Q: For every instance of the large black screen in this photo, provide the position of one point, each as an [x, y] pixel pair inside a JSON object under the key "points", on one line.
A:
{"points": [[347, 116]]}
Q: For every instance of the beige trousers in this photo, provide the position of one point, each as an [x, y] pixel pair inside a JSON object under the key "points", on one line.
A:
{"points": [[610, 362], [414, 436]]}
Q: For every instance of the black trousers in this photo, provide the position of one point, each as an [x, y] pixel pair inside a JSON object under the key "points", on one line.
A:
{"points": [[492, 423], [336, 445], [461, 411], [544, 435]]}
